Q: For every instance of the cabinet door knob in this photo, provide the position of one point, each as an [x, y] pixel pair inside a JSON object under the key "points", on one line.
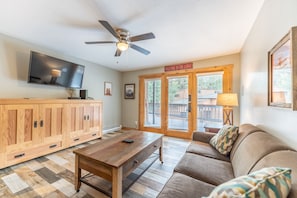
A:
{"points": [[35, 124], [41, 123]]}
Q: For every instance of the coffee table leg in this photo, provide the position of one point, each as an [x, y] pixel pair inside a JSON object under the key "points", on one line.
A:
{"points": [[77, 174], [117, 178], [161, 154]]}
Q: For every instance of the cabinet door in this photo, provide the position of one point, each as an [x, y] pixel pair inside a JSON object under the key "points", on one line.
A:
{"points": [[94, 118], [20, 126], [76, 119], [84, 122], [51, 122]]}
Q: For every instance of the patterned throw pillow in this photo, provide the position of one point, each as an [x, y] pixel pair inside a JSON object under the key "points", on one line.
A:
{"points": [[272, 182], [224, 139]]}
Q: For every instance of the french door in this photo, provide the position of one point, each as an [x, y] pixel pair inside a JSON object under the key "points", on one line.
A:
{"points": [[178, 107], [176, 104], [165, 105]]}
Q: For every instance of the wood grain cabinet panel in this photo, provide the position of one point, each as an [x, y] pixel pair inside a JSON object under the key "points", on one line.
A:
{"points": [[51, 122], [32, 128], [85, 122], [20, 126]]}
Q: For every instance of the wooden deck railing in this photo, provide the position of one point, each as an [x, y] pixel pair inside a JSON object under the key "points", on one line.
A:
{"points": [[204, 112]]}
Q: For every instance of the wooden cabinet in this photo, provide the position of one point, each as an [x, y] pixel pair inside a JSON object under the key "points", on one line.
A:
{"points": [[32, 128]]}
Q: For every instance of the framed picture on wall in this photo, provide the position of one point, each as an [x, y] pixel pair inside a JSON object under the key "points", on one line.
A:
{"points": [[282, 72], [107, 88], [129, 91]]}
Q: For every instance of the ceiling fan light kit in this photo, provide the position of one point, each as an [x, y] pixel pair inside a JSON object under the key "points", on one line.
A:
{"points": [[124, 39], [122, 45]]}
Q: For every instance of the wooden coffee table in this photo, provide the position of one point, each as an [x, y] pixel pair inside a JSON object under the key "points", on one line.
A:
{"points": [[113, 159]]}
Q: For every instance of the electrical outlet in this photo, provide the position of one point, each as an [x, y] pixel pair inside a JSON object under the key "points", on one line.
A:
{"points": [[136, 124]]}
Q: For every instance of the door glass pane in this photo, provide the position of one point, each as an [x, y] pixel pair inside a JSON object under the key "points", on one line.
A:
{"points": [[208, 114], [152, 114], [178, 103]]}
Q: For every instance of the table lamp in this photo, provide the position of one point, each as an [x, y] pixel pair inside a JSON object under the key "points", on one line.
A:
{"points": [[228, 101]]}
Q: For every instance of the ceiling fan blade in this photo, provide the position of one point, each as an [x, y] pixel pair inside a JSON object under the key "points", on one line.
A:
{"points": [[139, 49], [142, 37], [118, 53], [109, 28], [99, 42]]}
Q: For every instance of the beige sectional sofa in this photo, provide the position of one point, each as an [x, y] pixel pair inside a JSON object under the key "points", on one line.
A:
{"points": [[202, 168]]}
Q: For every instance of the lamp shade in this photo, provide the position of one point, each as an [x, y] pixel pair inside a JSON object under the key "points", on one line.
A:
{"points": [[227, 99]]}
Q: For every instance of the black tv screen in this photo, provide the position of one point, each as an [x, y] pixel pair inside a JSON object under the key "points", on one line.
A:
{"points": [[44, 69]]}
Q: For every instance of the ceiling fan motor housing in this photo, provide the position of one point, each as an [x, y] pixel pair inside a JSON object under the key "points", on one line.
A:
{"points": [[123, 34]]}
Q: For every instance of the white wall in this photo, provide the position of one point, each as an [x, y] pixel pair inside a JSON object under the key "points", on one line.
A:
{"points": [[14, 64], [273, 22], [130, 108]]}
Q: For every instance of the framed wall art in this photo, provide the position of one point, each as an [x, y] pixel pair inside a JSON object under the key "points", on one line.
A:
{"points": [[107, 88], [129, 91], [282, 72]]}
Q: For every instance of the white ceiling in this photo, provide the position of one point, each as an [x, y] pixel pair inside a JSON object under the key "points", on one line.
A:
{"points": [[185, 30]]}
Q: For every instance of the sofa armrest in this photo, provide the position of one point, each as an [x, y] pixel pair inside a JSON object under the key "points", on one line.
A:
{"points": [[202, 136]]}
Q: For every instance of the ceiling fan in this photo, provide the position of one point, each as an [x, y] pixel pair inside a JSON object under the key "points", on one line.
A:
{"points": [[124, 39]]}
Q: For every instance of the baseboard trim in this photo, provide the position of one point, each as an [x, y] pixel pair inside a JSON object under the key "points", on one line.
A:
{"points": [[112, 129]]}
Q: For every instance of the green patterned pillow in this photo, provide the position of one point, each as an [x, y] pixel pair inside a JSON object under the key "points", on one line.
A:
{"points": [[224, 139], [272, 182]]}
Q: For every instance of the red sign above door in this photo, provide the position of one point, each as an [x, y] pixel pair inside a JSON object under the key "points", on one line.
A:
{"points": [[178, 67]]}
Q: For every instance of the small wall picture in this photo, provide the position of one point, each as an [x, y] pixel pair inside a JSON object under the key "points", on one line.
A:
{"points": [[107, 88], [129, 91]]}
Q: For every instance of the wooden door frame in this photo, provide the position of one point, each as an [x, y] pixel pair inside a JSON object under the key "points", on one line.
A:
{"points": [[227, 87]]}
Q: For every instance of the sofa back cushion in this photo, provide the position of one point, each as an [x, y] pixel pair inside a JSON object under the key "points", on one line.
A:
{"points": [[253, 147], [285, 158], [244, 131]]}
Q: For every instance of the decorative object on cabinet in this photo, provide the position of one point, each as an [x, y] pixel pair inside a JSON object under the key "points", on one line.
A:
{"points": [[282, 72], [228, 101], [129, 91], [107, 88]]}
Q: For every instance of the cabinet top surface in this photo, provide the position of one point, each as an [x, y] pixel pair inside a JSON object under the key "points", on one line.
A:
{"points": [[114, 151], [4, 101]]}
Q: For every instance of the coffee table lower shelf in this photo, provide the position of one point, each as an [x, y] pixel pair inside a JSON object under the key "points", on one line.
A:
{"points": [[105, 186]]}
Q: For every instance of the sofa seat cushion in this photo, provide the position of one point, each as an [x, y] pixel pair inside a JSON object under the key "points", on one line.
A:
{"points": [[224, 139], [183, 186], [206, 169], [267, 182], [206, 150]]}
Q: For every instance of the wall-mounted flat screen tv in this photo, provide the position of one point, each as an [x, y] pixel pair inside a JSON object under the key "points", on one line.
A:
{"points": [[47, 70]]}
